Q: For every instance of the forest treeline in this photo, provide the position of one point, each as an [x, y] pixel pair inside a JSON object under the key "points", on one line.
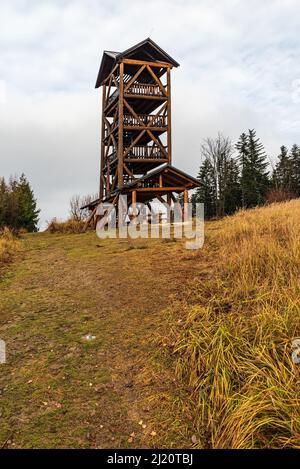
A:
{"points": [[18, 207], [232, 176], [241, 175]]}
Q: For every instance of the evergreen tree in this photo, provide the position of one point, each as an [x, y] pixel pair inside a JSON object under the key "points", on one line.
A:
{"points": [[18, 205], [3, 202], [295, 168], [254, 175], [243, 151], [283, 173], [206, 193], [28, 214], [233, 193], [11, 219]]}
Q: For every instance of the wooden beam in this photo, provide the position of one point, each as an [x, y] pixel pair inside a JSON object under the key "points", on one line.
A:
{"points": [[108, 178], [129, 172], [187, 178], [144, 62], [145, 160], [90, 218], [120, 130], [159, 197], [185, 204], [157, 142], [133, 204], [144, 127], [170, 211], [156, 115], [133, 113], [115, 178], [144, 96], [132, 80], [115, 81], [169, 133], [160, 189], [134, 143], [102, 144], [111, 73], [157, 80]]}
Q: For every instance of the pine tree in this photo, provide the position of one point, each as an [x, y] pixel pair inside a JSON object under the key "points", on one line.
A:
{"points": [[295, 164], [3, 202], [254, 175], [283, 173], [17, 204], [27, 209], [206, 193], [12, 211], [243, 151], [233, 188]]}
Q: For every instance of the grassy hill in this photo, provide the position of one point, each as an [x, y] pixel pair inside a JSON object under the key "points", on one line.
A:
{"points": [[190, 348], [235, 342]]}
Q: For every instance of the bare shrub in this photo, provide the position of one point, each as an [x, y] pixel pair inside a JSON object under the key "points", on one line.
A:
{"points": [[279, 195], [9, 245], [76, 202], [65, 227]]}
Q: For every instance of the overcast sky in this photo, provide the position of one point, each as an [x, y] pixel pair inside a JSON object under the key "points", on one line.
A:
{"points": [[239, 69]]}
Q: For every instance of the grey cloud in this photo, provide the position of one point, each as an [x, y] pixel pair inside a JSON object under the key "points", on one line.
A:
{"points": [[238, 65]]}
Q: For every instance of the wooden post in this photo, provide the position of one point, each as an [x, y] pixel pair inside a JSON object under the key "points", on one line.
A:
{"points": [[185, 204], [170, 211], [90, 218], [133, 204], [107, 178], [120, 129], [169, 133], [102, 143]]}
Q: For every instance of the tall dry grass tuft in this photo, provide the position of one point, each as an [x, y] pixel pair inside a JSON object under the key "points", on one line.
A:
{"points": [[234, 349], [65, 227], [8, 246]]}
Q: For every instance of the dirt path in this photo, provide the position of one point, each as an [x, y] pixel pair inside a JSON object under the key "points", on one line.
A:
{"points": [[117, 390]]}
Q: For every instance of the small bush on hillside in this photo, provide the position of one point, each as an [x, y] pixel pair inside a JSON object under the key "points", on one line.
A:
{"points": [[279, 195], [65, 227], [8, 246]]}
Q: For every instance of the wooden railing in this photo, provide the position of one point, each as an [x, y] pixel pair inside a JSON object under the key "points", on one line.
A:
{"points": [[144, 89], [144, 120], [140, 151], [141, 89]]}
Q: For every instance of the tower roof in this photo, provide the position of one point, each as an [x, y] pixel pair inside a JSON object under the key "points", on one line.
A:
{"points": [[172, 177], [146, 50]]}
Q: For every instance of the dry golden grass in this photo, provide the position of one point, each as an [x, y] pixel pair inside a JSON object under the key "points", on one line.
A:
{"points": [[234, 348], [65, 227], [8, 246], [238, 312]]}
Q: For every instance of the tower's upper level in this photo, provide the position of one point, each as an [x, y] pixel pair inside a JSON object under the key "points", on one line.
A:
{"points": [[136, 113], [144, 51]]}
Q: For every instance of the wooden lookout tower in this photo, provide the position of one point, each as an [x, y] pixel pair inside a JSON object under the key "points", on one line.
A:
{"points": [[136, 144]]}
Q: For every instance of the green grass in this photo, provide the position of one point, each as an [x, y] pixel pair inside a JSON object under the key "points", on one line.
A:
{"points": [[196, 344], [57, 390]]}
